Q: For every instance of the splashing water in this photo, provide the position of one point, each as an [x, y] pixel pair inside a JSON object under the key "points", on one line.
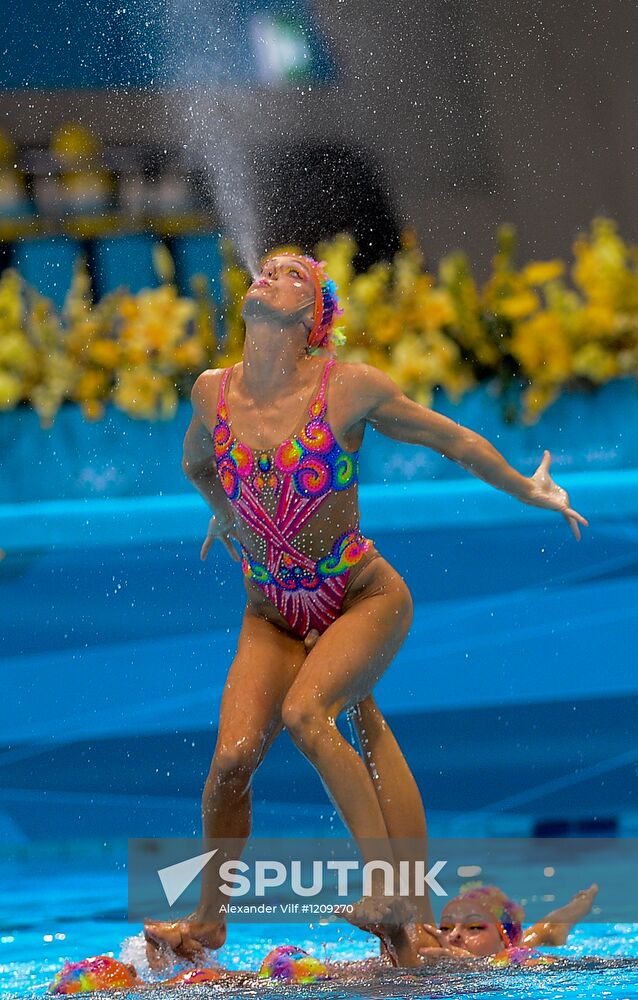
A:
{"points": [[362, 743], [202, 57]]}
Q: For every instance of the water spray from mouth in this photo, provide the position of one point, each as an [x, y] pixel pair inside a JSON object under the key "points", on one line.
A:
{"points": [[201, 57]]}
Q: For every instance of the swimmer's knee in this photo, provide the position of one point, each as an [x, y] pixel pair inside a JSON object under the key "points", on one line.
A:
{"points": [[304, 720], [405, 605], [233, 765]]}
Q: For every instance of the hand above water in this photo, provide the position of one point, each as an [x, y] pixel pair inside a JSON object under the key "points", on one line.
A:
{"points": [[544, 492], [444, 949]]}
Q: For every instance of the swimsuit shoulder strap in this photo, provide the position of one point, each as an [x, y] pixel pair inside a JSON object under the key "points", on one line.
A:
{"points": [[221, 399], [317, 405], [324, 380]]}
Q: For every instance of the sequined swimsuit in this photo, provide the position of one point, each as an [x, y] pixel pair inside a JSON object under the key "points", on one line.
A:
{"points": [[291, 499]]}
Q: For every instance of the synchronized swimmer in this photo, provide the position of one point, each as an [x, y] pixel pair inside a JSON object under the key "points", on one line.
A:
{"points": [[325, 611]]}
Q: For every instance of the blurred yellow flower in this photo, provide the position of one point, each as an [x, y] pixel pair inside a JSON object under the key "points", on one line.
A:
{"points": [[517, 306], [539, 272], [10, 390], [595, 363], [140, 351], [91, 384], [16, 352], [542, 349], [536, 398], [105, 351]]}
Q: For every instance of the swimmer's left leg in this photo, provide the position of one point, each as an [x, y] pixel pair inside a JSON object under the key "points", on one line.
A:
{"points": [[342, 668]]}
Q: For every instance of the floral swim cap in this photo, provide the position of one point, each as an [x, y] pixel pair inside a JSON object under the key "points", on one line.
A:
{"points": [[99, 972], [290, 964], [324, 333], [507, 913]]}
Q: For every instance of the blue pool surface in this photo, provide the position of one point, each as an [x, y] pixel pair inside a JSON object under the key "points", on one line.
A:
{"points": [[116, 644], [117, 639]]}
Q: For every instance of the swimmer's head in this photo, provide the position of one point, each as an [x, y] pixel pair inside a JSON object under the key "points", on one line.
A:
{"points": [[483, 920], [297, 286]]}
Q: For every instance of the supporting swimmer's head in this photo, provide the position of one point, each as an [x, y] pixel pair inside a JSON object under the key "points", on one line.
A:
{"points": [[483, 920], [297, 286]]}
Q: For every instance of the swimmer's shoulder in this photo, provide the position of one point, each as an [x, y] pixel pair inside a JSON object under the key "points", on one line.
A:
{"points": [[363, 385], [205, 391]]}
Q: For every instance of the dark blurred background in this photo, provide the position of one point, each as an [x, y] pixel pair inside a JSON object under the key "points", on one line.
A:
{"points": [[448, 118]]}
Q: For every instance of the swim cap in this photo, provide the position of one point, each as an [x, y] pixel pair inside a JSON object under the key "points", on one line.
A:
{"points": [[290, 964], [507, 913], [324, 333], [99, 972], [193, 976]]}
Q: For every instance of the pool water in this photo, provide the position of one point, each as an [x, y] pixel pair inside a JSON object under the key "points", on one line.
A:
{"points": [[63, 902], [513, 621]]}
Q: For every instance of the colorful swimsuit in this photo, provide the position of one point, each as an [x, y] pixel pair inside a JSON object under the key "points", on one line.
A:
{"points": [[289, 499]]}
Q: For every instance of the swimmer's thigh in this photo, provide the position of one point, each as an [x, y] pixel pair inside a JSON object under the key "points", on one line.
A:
{"points": [[355, 650], [264, 667]]}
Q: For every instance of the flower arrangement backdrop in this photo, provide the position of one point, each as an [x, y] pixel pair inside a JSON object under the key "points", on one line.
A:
{"points": [[526, 337]]}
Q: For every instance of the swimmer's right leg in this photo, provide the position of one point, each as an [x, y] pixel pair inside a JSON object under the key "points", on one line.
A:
{"points": [[397, 791], [266, 663], [401, 804]]}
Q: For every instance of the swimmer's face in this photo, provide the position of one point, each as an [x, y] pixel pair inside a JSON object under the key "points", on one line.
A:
{"points": [[465, 925], [284, 287]]}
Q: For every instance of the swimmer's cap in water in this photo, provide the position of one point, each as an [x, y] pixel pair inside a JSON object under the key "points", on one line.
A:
{"points": [[99, 972], [290, 964], [507, 913], [194, 976], [324, 333]]}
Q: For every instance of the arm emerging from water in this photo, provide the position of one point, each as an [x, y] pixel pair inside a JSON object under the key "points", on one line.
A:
{"points": [[382, 404]]}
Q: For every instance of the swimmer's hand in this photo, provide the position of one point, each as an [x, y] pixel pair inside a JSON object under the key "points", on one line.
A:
{"points": [[220, 527], [444, 949], [544, 492]]}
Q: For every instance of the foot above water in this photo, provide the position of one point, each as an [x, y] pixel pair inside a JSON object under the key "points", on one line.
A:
{"points": [[187, 939]]}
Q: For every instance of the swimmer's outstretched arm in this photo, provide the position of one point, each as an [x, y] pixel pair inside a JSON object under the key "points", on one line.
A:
{"points": [[380, 402], [199, 466], [555, 927]]}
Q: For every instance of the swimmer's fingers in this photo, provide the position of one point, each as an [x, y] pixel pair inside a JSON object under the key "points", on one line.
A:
{"points": [[435, 933], [208, 541], [219, 528], [230, 547], [573, 518], [449, 951], [435, 953], [190, 949]]}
